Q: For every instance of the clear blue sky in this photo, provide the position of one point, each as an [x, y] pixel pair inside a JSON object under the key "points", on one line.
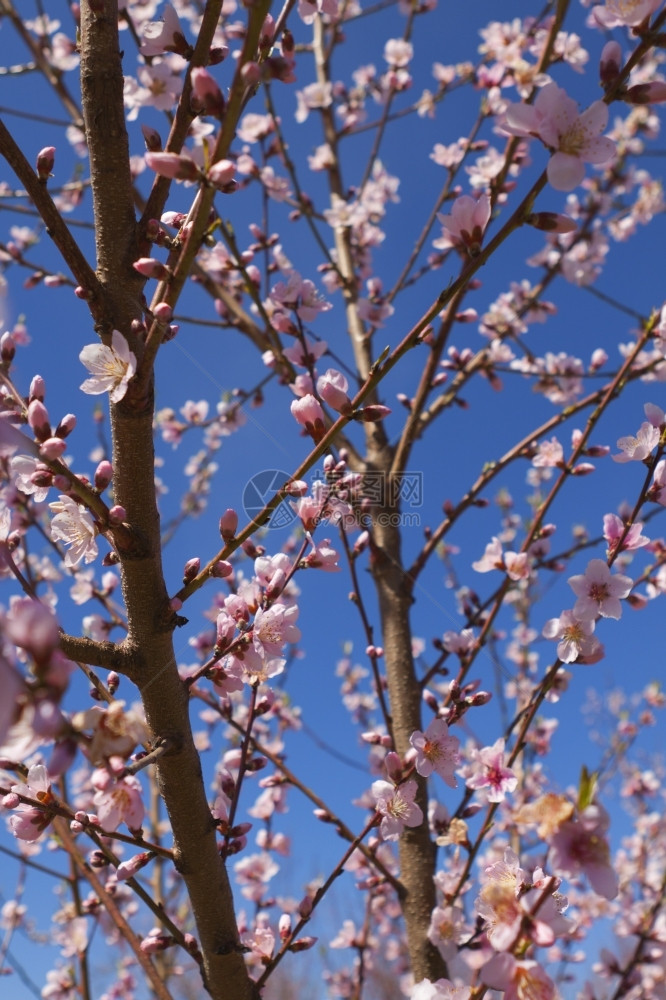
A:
{"points": [[204, 362]]}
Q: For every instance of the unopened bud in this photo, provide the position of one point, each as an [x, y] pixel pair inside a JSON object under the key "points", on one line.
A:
{"points": [[38, 419], [646, 93], [152, 139], [149, 267], [371, 414], [552, 222], [103, 475], [610, 63], [192, 567], [7, 348], [117, 514], [45, 161]]}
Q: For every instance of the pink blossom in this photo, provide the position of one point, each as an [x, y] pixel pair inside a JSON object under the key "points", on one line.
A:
{"points": [[518, 979], [614, 528], [174, 166], [617, 13], [253, 872], [74, 527], [489, 774], [466, 224], [332, 387], [580, 847], [323, 556], [161, 36], [549, 454], [273, 628], [575, 139], [32, 626], [118, 801], [29, 822], [111, 367], [396, 806], [436, 751], [491, 559], [598, 591], [636, 449], [309, 414], [658, 486], [575, 635]]}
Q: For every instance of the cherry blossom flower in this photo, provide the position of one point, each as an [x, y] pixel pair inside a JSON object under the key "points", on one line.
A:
{"points": [[614, 528], [658, 486], [273, 628], [436, 750], [636, 449], [75, 528], [161, 36], [617, 13], [518, 979], [598, 591], [111, 367], [396, 806], [581, 847], [466, 224], [29, 822], [575, 635], [489, 774], [575, 139], [115, 730], [118, 801]]}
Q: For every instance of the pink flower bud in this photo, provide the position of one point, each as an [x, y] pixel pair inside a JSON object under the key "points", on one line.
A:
{"points": [[228, 524], [552, 222], [303, 944], [393, 766], [45, 161], [222, 569], [221, 175], [250, 74], [37, 388], [11, 800], [373, 413], [113, 681], [103, 475], [38, 419], [152, 139], [610, 63], [646, 93], [117, 515], [598, 359], [332, 387], [66, 426], [192, 567], [206, 95], [149, 267], [81, 292], [7, 348], [309, 414], [583, 469], [179, 168], [284, 926], [217, 54], [163, 312], [52, 448], [296, 488]]}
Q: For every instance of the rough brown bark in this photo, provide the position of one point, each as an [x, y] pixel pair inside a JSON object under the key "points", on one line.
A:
{"points": [[150, 622]]}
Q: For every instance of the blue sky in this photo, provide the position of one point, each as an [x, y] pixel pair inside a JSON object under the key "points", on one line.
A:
{"points": [[203, 362]]}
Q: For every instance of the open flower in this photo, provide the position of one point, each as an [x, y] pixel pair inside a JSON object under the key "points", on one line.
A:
{"points": [[599, 591], [75, 528], [575, 635], [574, 139], [397, 807], [111, 367], [489, 774], [466, 224], [436, 751]]}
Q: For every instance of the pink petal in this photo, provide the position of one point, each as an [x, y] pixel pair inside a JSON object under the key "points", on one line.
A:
{"points": [[565, 172]]}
